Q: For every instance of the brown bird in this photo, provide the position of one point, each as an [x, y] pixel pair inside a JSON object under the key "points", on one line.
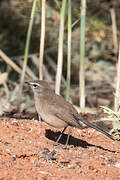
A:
{"points": [[56, 111]]}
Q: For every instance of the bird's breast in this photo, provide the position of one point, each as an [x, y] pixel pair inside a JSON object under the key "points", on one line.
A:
{"points": [[47, 115]]}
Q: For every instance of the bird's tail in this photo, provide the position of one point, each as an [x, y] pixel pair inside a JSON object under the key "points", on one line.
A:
{"points": [[79, 120]]}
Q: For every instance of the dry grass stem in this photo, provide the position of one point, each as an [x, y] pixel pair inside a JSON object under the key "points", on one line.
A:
{"points": [[28, 71], [117, 93], [60, 48], [54, 67], [42, 39], [82, 56], [11, 63], [114, 29], [3, 79]]}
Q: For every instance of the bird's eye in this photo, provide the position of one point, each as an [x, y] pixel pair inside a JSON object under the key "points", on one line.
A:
{"points": [[34, 85]]}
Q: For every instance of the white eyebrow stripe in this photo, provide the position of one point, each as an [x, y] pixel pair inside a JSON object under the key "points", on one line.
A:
{"points": [[32, 83]]}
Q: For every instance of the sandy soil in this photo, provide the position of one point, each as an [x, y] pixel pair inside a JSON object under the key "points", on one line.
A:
{"points": [[27, 151]]}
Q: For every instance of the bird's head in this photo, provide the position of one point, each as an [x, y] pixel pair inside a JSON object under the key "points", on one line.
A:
{"points": [[39, 86]]}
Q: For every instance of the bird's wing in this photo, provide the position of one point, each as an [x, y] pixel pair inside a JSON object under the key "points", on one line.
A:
{"points": [[62, 109], [66, 112], [67, 118]]}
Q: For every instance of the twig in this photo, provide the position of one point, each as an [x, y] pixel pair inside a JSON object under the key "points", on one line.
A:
{"points": [[60, 48], [36, 63], [47, 74], [27, 45], [114, 29], [82, 54], [11, 63], [42, 39], [54, 67], [28, 71], [69, 51], [117, 93]]}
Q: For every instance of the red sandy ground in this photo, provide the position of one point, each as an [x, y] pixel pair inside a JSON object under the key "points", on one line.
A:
{"points": [[26, 148]]}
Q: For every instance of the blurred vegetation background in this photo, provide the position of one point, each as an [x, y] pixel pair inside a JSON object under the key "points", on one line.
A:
{"points": [[101, 51]]}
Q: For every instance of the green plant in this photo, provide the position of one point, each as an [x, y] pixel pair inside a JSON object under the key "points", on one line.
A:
{"points": [[27, 45], [113, 116]]}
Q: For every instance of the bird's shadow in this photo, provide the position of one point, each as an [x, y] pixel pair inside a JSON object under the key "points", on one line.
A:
{"points": [[72, 140]]}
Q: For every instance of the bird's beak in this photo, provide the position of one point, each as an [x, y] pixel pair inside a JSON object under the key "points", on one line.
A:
{"points": [[27, 82]]}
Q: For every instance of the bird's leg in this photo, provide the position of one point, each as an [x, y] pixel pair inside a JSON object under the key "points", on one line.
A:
{"points": [[69, 132], [61, 135], [39, 118]]}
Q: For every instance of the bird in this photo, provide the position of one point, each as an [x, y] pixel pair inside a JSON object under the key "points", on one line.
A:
{"points": [[54, 110]]}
